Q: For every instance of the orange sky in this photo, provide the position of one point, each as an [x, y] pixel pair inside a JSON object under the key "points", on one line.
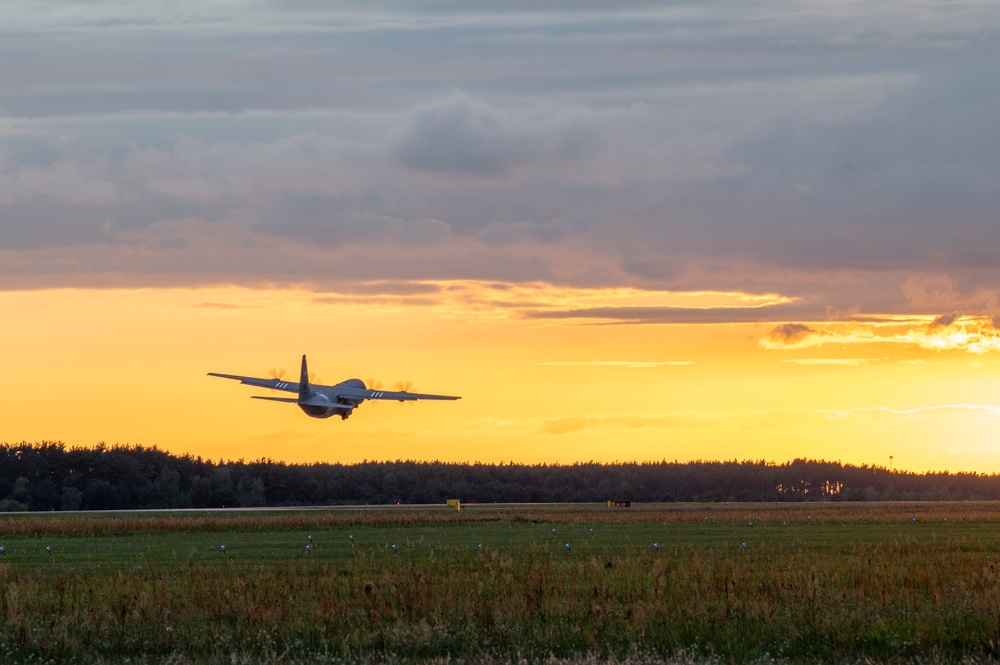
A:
{"points": [[129, 366]]}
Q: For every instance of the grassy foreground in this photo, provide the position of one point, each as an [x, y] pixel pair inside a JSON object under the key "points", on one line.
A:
{"points": [[724, 582]]}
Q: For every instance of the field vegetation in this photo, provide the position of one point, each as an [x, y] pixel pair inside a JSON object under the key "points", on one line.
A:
{"points": [[682, 582]]}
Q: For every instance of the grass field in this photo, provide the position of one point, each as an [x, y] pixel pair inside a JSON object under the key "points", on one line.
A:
{"points": [[724, 582]]}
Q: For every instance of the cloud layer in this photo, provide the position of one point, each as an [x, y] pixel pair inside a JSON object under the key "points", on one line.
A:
{"points": [[844, 156]]}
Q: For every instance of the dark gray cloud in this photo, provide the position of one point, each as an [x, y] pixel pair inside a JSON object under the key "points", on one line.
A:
{"points": [[844, 155], [683, 314], [945, 320], [790, 333], [460, 136]]}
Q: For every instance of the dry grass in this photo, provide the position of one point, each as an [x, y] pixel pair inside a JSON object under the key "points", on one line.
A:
{"points": [[834, 591]]}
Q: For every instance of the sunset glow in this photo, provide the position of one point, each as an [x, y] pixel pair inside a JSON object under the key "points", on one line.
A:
{"points": [[637, 233], [128, 366]]}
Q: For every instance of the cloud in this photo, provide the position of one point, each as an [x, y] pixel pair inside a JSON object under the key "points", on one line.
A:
{"points": [[64, 180], [569, 424], [836, 362], [461, 136], [629, 364], [944, 320], [949, 332], [671, 147], [790, 334], [763, 418]]}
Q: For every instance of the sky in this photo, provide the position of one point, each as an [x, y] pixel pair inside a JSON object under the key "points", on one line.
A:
{"points": [[630, 231]]}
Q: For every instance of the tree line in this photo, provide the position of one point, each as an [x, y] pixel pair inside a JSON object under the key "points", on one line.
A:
{"points": [[51, 476]]}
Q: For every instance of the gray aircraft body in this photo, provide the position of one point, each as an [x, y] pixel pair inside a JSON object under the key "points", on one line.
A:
{"points": [[319, 401]]}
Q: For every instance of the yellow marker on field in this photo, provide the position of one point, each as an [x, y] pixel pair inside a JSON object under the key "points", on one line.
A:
{"points": [[455, 503]]}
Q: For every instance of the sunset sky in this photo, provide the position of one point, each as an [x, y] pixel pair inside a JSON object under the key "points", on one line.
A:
{"points": [[620, 231]]}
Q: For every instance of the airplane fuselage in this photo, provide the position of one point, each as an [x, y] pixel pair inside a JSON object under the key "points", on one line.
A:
{"points": [[340, 394]]}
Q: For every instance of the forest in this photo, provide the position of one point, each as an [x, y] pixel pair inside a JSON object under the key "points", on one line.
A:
{"points": [[52, 476]]}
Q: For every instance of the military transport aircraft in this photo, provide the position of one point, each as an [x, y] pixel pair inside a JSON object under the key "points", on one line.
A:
{"points": [[319, 401]]}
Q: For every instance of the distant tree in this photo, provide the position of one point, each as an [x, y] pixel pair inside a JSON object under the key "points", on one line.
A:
{"points": [[48, 475], [101, 495], [72, 498]]}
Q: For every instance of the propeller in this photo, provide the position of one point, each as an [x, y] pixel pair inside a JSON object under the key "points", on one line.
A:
{"points": [[277, 373], [373, 384], [314, 378], [404, 387]]}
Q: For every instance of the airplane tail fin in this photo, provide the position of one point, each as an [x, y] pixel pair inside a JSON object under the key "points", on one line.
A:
{"points": [[304, 390]]}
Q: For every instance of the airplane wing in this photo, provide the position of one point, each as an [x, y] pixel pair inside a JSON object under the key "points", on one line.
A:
{"points": [[273, 384], [402, 396]]}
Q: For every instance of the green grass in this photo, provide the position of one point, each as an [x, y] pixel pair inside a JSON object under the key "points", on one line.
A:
{"points": [[155, 587]]}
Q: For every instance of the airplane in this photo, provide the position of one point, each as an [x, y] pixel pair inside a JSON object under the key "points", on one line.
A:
{"points": [[319, 401]]}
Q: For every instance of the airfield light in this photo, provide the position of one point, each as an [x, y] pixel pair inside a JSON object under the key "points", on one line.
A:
{"points": [[656, 546], [351, 538], [222, 548], [48, 549], [308, 549], [3, 552], [553, 531], [567, 547], [394, 547], [310, 538], [479, 546], [743, 544]]}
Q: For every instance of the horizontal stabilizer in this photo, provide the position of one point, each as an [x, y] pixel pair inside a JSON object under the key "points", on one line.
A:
{"points": [[290, 400]]}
